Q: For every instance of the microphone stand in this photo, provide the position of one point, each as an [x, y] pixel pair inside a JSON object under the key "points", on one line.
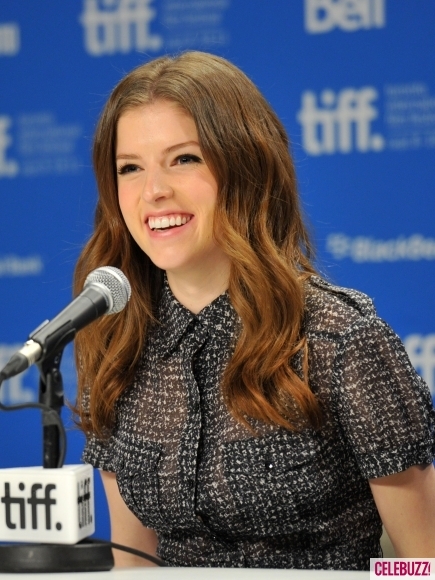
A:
{"points": [[86, 555], [51, 395]]}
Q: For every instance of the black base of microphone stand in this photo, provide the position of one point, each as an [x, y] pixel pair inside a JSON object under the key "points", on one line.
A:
{"points": [[86, 556]]}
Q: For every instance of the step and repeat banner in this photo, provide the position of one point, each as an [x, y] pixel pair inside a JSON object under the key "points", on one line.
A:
{"points": [[353, 82]]}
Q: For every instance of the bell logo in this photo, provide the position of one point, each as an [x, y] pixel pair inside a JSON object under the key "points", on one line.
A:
{"points": [[118, 26], [8, 167], [421, 351], [350, 15], [341, 123]]}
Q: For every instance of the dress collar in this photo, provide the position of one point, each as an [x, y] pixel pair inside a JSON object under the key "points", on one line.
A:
{"points": [[174, 319]]}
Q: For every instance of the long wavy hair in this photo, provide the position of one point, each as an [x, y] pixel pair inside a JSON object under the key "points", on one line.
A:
{"points": [[257, 223]]}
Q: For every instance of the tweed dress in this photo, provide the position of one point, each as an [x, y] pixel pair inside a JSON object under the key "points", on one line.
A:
{"points": [[218, 495]]}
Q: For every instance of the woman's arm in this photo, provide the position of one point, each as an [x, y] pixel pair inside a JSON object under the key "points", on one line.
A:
{"points": [[406, 504], [126, 529]]}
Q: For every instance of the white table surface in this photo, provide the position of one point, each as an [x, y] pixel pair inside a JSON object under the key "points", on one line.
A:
{"points": [[197, 574]]}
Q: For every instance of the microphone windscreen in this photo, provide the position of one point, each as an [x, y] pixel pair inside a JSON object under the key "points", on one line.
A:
{"points": [[117, 284]]}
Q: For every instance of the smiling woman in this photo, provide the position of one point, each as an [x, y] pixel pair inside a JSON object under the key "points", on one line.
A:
{"points": [[163, 178], [243, 411]]}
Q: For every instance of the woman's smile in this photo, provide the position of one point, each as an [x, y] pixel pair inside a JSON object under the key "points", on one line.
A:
{"points": [[167, 222]]}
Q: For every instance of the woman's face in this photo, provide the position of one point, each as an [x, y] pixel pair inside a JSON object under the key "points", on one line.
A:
{"points": [[167, 193]]}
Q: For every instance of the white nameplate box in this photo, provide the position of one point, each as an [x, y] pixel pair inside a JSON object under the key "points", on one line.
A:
{"points": [[54, 506]]}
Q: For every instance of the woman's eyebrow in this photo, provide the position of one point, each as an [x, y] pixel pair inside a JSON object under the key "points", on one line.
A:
{"points": [[127, 156], [180, 145], [169, 149]]}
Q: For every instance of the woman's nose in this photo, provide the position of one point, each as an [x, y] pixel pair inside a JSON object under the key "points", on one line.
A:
{"points": [[156, 186]]}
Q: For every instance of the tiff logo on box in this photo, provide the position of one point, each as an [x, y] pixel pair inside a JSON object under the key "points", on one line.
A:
{"points": [[339, 122], [8, 167], [25, 508], [421, 351], [9, 39], [34, 501], [350, 15], [118, 26], [84, 502]]}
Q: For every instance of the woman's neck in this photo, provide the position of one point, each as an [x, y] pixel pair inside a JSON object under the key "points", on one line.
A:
{"points": [[195, 292]]}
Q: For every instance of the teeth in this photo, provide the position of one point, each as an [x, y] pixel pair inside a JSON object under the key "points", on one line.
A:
{"points": [[165, 222]]}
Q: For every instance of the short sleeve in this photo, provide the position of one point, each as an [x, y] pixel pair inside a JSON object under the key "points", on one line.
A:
{"points": [[384, 406], [99, 453]]}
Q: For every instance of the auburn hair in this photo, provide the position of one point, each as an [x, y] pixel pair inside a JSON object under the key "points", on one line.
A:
{"points": [[257, 223]]}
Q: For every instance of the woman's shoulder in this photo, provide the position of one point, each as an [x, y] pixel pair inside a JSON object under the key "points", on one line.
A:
{"points": [[334, 309]]}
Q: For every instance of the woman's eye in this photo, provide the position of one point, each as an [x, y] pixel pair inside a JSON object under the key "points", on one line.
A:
{"points": [[129, 168], [187, 158]]}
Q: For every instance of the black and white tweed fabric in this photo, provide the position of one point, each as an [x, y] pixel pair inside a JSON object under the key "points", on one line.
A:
{"points": [[216, 494]]}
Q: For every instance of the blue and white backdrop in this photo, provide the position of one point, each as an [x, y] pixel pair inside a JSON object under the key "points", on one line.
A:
{"points": [[352, 80]]}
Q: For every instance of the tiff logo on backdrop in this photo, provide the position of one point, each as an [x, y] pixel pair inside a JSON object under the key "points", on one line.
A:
{"points": [[339, 122], [9, 39], [8, 167], [350, 15], [118, 26], [13, 391], [421, 351], [20, 500]]}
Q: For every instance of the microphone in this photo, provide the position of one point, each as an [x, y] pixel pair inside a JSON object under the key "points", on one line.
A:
{"points": [[106, 291]]}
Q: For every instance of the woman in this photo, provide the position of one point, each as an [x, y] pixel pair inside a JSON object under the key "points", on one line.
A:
{"points": [[243, 411]]}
